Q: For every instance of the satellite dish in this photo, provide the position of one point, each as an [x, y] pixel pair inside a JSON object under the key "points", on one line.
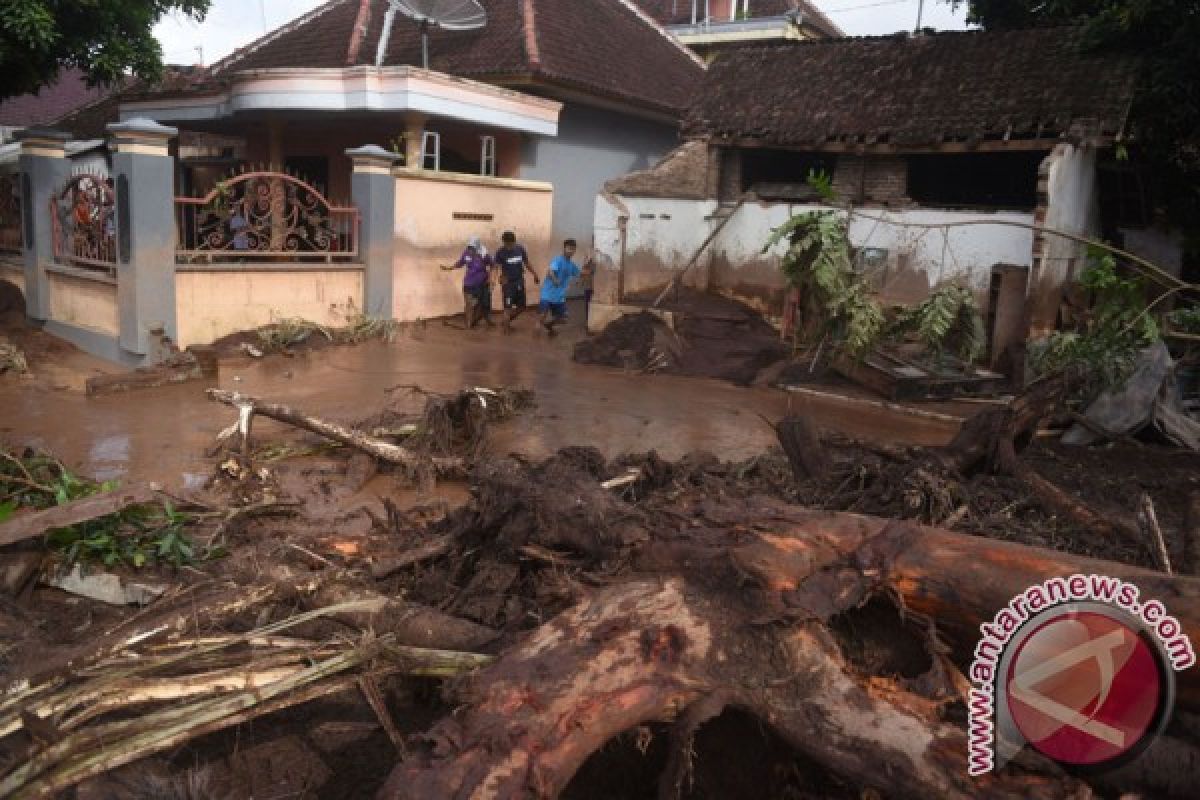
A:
{"points": [[453, 15]]}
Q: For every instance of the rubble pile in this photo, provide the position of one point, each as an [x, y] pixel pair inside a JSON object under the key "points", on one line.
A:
{"points": [[711, 337]]}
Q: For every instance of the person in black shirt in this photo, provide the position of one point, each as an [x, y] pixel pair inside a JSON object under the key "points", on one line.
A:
{"points": [[513, 262]]}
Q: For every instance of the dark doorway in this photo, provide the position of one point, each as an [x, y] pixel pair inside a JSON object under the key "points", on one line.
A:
{"points": [[313, 170]]}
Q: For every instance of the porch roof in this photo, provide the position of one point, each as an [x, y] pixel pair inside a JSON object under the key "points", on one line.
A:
{"points": [[356, 89]]}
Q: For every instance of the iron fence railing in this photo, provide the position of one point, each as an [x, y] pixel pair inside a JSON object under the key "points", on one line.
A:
{"points": [[264, 216], [10, 212], [83, 222]]}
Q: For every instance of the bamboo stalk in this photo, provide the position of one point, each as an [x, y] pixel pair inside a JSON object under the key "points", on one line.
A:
{"points": [[73, 759], [10, 720]]}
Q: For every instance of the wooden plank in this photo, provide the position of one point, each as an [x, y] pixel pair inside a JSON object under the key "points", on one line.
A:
{"points": [[27, 526]]}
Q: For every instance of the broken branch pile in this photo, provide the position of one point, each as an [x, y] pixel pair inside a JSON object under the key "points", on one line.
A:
{"points": [[144, 700]]}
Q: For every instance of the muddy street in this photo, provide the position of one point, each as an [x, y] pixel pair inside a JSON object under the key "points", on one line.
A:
{"points": [[160, 434]]}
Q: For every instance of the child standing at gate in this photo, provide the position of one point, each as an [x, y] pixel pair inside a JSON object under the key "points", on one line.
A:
{"points": [[562, 271]]}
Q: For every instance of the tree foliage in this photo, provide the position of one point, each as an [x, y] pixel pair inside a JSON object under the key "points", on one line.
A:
{"points": [[1166, 111], [818, 263], [107, 39], [947, 321], [1105, 342]]}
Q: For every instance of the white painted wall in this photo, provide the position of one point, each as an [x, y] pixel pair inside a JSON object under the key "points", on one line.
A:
{"points": [[1073, 206], [662, 234]]}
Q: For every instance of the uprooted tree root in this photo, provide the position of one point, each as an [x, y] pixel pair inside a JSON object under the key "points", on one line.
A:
{"points": [[688, 602]]}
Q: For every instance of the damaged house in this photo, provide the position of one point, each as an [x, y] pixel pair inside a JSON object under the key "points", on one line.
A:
{"points": [[954, 152]]}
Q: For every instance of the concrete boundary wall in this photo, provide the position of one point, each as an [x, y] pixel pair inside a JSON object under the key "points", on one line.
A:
{"points": [[646, 240], [436, 214], [135, 309], [84, 301], [216, 300]]}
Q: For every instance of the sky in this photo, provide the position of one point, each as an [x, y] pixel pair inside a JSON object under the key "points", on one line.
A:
{"points": [[233, 23]]}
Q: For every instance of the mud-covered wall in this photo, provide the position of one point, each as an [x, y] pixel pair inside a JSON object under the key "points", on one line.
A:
{"points": [[1069, 202], [14, 273], [84, 303], [661, 235], [437, 213], [212, 302]]}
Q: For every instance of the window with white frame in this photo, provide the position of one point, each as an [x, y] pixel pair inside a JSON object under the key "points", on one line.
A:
{"points": [[431, 151], [487, 156]]}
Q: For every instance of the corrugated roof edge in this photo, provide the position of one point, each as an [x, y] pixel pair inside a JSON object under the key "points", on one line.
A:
{"points": [[240, 53]]}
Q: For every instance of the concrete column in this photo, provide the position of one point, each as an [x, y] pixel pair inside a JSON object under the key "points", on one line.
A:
{"points": [[44, 171], [414, 135], [373, 189], [145, 177]]}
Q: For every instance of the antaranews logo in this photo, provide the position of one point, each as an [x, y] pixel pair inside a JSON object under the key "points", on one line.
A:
{"points": [[1079, 668]]}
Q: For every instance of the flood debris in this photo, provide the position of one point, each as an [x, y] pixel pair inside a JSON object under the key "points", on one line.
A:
{"points": [[29, 525], [712, 337], [384, 451], [178, 368], [187, 688], [581, 626], [104, 587], [12, 359]]}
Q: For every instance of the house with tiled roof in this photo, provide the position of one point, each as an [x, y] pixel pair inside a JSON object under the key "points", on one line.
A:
{"points": [[569, 94], [68, 94], [709, 26], [959, 155]]}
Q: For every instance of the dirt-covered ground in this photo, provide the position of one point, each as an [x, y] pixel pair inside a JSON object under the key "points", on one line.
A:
{"points": [[567, 496], [511, 568]]}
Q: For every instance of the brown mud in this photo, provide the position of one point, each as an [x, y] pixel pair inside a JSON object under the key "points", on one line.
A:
{"points": [[161, 434], [713, 337]]}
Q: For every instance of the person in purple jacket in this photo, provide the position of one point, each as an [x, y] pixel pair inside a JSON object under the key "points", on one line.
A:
{"points": [[477, 282]]}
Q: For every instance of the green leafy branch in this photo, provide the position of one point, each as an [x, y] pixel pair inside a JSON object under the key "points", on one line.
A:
{"points": [[1105, 343], [138, 536]]}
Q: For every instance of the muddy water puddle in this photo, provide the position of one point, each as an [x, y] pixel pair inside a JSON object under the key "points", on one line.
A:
{"points": [[162, 434]]}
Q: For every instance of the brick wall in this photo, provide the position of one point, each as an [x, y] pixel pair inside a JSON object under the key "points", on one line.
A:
{"points": [[729, 184], [872, 179]]}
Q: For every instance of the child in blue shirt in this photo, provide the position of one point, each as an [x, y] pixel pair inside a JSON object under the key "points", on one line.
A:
{"points": [[562, 271]]}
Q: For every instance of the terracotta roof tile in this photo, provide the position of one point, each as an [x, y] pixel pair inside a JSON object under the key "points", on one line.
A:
{"points": [[67, 94], [601, 46], [913, 91]]}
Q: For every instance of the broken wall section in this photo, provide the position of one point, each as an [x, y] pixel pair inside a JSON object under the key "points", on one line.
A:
{"points": [[1068, 201], [650, 226]]}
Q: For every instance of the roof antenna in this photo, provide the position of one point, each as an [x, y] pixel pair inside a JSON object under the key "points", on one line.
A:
{"points": [[453, 15], [920, 14]]}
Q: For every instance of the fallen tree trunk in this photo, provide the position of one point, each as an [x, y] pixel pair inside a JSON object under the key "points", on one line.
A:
{"points": [[957, 580], [383, 450], [645, 650], [27, 526]]}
